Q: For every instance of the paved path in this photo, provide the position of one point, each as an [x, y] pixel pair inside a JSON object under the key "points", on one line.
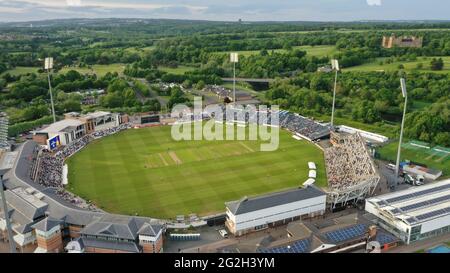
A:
{"points": [[18, 177], [248, 80]]}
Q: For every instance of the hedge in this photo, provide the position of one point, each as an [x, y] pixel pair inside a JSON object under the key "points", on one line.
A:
{"points": [[26, 126]]}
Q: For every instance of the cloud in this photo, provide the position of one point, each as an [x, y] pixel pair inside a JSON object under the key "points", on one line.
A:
{"points": [[229, 10], [374, 2], [73, 3]]}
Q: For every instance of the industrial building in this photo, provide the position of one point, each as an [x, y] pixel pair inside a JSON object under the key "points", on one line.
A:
{"points": [[336, 234], [414, 214], [257, 213]]}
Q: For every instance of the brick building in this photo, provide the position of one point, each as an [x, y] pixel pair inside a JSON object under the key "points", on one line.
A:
{"points": [[37, 226]]}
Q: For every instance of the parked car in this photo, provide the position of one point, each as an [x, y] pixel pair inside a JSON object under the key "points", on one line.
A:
{"points": [[420, 180], [409, 179], [390, 167], [223, 233]]}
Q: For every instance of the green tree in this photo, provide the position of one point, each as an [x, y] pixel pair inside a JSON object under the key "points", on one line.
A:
{"points": [[200, 85], [187, 83], [111, 100], [437, 64]]}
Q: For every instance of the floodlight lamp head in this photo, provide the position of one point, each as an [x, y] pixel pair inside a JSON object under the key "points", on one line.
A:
{"points": [[48, 63], [335, 64], [234, 57], [403, 84]]}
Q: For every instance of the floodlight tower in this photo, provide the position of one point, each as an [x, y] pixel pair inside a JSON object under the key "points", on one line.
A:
{"points": [[335, 67], [12, 247], [234, 59], [404, 93], [48, 67]]}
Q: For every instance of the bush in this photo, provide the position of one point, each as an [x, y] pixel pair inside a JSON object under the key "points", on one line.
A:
{"points": [[26, 126]]}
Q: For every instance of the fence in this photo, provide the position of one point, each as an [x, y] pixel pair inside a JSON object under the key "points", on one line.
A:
{"points": [[184, 237]]}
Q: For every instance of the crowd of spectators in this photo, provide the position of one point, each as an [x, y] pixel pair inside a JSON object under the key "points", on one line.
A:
{"points": [[303, 126], [111, 131], [220, 91], [348, 162], [48, 165], [292, 122], [49, 170]]}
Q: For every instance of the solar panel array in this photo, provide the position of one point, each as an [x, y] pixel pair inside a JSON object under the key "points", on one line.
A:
{"points": [[433, 213], [395, 211], [385, 238], [346, 233], [417, 194], [411, 220], [300, 246], [426, 203]]}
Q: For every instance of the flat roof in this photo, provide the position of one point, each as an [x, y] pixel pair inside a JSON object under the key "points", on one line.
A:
{"points": [[59, 126], [97, 114], [28, 196], [416, 204], [246, 205]]}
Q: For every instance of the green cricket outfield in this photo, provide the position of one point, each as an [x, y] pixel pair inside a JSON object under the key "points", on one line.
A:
{"points": [[146, 172]]}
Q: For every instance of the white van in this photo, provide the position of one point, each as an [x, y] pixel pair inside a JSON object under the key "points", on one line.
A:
{"points": [[420, 180], [223, 233]]}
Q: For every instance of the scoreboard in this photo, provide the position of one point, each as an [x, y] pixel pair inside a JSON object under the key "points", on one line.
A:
{"points": [[150, 119]]}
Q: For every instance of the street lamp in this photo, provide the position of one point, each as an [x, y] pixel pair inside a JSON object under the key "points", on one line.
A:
{"points": [[404, 93], [335, 67], [12, 247], [48, 67], [234, 59]]}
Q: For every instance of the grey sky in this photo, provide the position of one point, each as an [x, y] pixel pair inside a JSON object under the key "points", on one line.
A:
{"points": [[229, 10]]}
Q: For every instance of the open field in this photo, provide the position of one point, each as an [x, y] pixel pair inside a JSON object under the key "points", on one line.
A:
{"points": [[140, 50], [435, 161], [343, 30], [246, 87], [409, 66], [418, 104], [21, 70], [99, 70], [385, 129], [146, 172], [180, 70], [317, 51]]}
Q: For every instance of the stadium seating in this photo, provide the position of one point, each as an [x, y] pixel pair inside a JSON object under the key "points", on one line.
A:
{"points": [[47, 168], [348, 162]]}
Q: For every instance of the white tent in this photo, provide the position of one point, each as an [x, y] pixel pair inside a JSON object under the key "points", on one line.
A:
{"points": [[312, 174], [309, 182], [312, 165]]}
